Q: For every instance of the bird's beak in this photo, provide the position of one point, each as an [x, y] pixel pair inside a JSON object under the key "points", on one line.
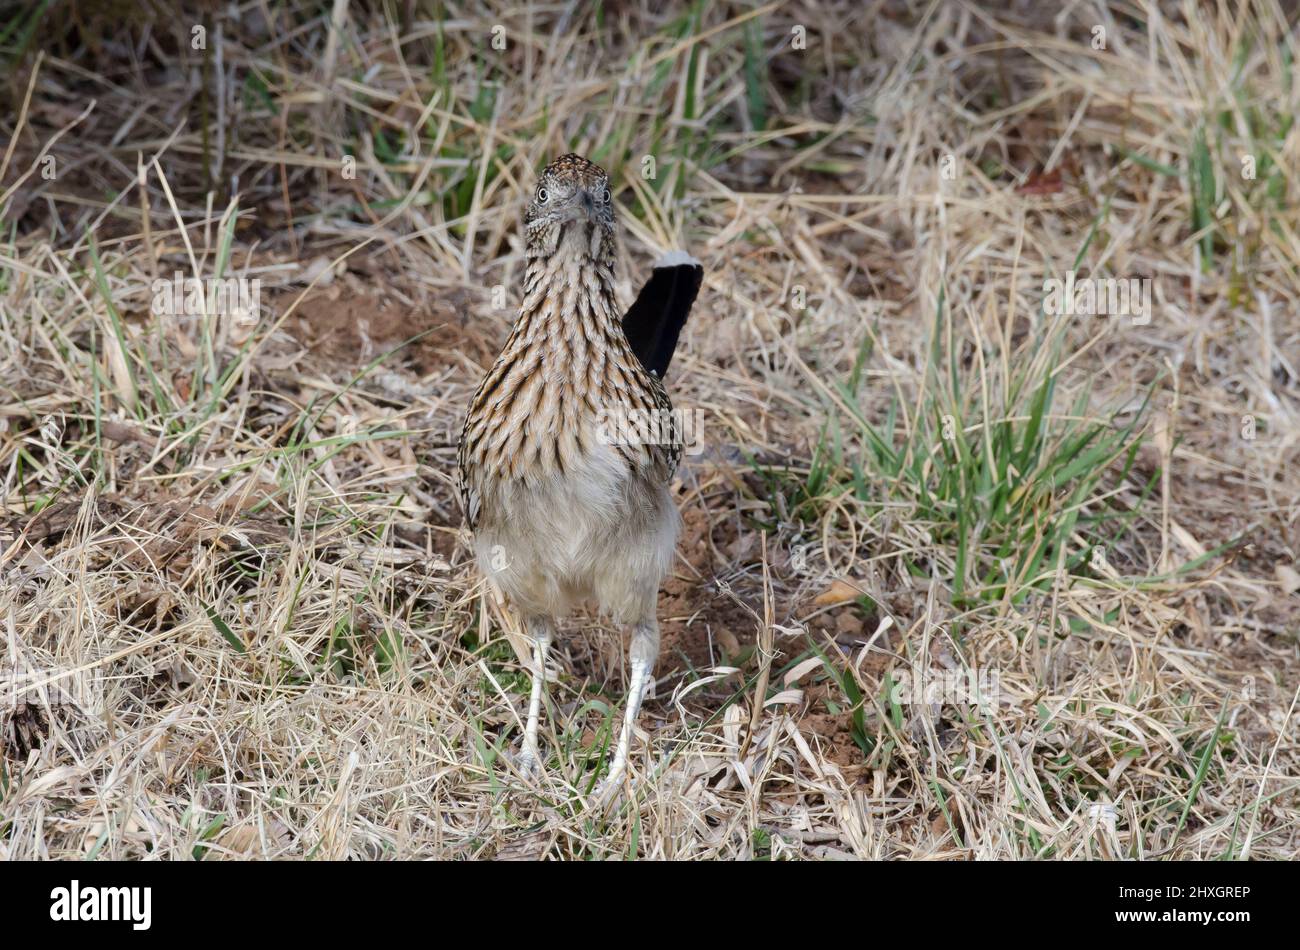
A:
{"points": [[581, 207]]}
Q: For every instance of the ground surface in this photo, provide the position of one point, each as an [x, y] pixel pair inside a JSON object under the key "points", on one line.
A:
{"points": [[237, 615]]}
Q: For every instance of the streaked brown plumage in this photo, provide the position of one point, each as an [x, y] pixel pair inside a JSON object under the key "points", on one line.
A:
{"points": [[563, 510]]}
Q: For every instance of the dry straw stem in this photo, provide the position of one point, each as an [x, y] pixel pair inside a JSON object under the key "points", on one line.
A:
{"points": [[231, 558]]}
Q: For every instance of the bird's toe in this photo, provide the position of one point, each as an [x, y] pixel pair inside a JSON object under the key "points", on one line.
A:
{"points": [[607, 789], [529, 764]]}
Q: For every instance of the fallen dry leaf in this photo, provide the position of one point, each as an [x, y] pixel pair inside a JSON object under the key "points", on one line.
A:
{"points": [[840, 592]]}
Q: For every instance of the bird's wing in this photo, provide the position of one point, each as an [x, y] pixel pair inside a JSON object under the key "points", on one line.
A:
{"points": [[654, 321]]}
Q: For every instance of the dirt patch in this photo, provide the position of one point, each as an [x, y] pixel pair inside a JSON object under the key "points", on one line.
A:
{"points": [[704, 625], [833, 729], [348, 325], [701, 626]]}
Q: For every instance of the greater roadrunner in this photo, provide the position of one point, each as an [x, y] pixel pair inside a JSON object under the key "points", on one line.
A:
{"points": [[570, 443]]}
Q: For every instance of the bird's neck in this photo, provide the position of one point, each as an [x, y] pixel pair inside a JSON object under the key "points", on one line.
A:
{"points": [[569, 300]]}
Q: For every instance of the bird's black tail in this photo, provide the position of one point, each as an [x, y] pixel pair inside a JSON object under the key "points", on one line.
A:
{"points": [[653, 323]]}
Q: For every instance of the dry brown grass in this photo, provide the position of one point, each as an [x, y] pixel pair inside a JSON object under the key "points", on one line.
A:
{"points": [[232, 578]]}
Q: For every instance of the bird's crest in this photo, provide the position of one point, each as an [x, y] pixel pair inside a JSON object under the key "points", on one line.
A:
{"points": [[574, 167]]}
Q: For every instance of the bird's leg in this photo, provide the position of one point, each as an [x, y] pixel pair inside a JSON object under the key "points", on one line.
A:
{"points": [[542, 632], [642, 653]]}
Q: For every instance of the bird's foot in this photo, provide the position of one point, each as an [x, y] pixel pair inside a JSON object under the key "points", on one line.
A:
{"points": [[529, 763], [604, 794], [608, 788]]}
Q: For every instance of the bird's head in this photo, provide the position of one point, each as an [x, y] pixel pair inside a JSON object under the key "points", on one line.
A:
{"points": [[572, 205]]}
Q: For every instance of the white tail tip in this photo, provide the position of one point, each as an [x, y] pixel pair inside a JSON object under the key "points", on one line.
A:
{"points": [[676, 259]]}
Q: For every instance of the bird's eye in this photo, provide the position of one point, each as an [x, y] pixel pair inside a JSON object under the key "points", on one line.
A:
{"points": [[542, 195]]}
